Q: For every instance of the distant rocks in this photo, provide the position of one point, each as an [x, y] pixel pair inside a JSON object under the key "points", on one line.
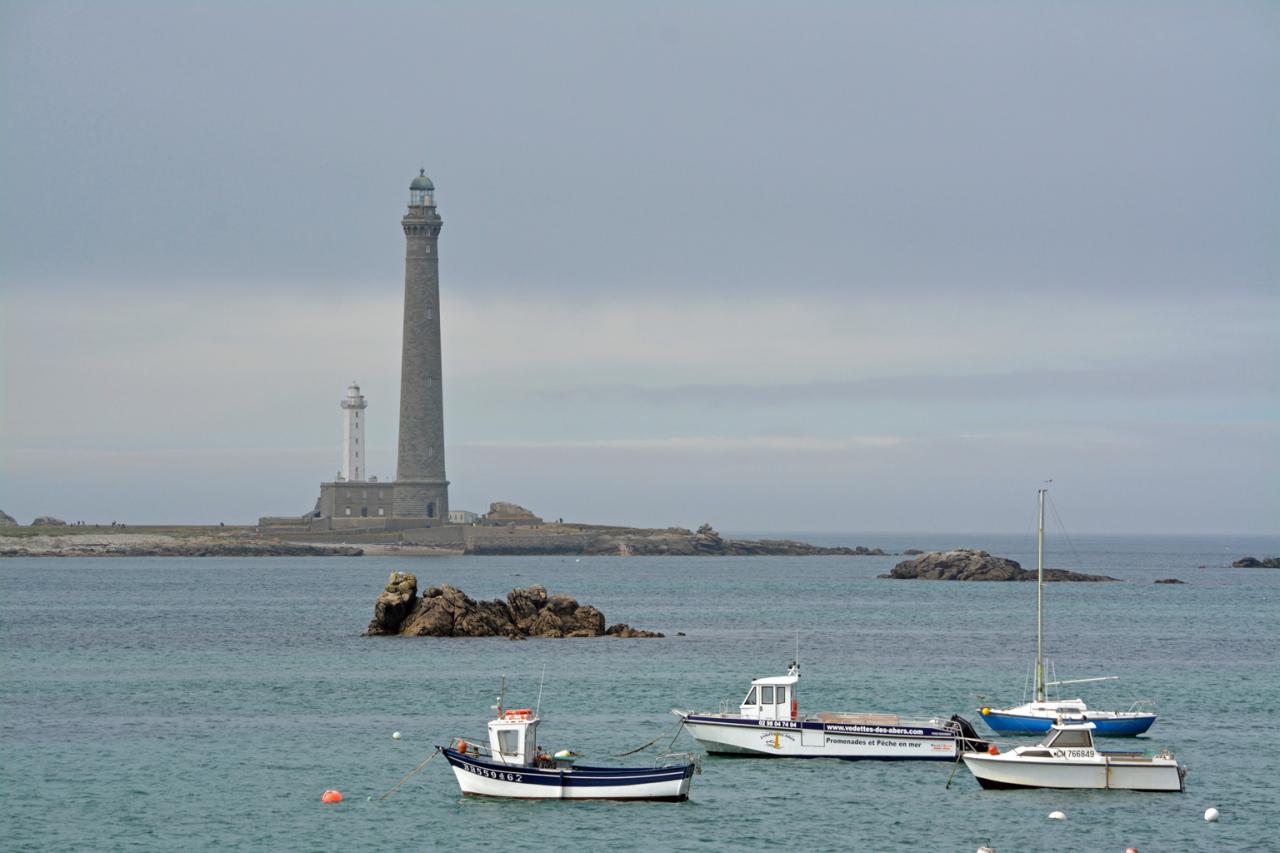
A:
{"points": [[48, 521], [707, 541], [911, 552], [502, 512], [154, 545], [447, 611], [1170, 580], [592, 540], [1255, 563], [966, 564], [7, 520]]}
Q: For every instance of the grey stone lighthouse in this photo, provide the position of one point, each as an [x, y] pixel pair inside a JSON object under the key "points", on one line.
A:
{"points": [[421, 492]]}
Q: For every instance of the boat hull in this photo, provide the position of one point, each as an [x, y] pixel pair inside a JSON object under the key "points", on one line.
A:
{"points": [[1123, 725], [726, 735], [1102, 773], [483, 778]]}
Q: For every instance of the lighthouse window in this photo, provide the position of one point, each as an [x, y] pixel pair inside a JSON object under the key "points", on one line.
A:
{"points": [[431, 315]]}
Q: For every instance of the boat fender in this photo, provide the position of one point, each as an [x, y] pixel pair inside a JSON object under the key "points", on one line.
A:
{"points": [[984, 711], [795, 708], [993, 750], [462, 747]]}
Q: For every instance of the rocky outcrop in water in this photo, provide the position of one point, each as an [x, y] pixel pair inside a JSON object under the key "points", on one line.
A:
{"points": [[446, 611], [1170, 580], [1255, 563], [966, 564]]}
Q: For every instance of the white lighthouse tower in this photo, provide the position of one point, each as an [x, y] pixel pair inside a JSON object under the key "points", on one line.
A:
{"points": [[353, 447]]}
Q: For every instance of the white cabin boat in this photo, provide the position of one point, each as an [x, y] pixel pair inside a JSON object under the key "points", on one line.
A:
{"points": [[512, 765], [1067, 758], [769, 723]]}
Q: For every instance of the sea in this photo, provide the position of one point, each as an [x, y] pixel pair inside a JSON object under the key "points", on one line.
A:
{"points": [[206, 704]]}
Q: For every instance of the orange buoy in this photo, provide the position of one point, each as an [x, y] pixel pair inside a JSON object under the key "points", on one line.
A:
{"points": [[993, 750], [331, 796]]}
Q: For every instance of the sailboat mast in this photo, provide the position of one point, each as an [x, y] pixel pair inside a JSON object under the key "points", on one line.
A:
{"points": [[1040, 600]]}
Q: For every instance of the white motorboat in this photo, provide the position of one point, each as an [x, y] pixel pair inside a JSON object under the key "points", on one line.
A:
{"points": [[1067, 758], [512, 765], [1035, 717], [768, 722]]}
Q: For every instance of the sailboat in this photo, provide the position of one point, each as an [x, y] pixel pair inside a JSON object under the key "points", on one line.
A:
{"points": [[1037, 716]]}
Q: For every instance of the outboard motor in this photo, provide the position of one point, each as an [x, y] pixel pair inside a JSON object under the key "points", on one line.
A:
{"points": [[968, 740]]}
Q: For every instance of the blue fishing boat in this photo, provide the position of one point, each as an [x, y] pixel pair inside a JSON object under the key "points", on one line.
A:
{"points": [[1036, 716], [513, 765]]}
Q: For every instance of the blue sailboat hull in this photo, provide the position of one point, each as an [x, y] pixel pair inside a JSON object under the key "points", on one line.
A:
{"points": [[1129, 725]]}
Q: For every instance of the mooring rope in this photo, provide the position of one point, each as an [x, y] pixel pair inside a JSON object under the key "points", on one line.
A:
{"points": [[411, 772], [652, 742]]}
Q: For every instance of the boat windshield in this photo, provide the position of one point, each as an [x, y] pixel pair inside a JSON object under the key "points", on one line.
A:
{"points": [[1069, 738]]}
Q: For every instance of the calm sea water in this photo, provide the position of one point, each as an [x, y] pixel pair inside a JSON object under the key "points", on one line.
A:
{"points": [[207, 703]]}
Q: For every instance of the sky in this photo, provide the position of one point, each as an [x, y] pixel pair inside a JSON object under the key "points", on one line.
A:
{"points": [[873, 266]]}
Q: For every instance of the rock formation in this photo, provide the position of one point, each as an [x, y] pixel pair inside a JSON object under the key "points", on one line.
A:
{"points": [[965, 564], [501, 512], [912, 552], [1255, 563], [7, 520], [48, 521], [447, 611], [1170, 580], [707, 541]]}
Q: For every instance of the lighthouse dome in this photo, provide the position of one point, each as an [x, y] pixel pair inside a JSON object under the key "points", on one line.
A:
{"points": [[422, 182]]}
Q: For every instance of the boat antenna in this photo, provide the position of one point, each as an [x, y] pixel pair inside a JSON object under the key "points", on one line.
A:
{"points": [[797, 650], [502, 691], [538, 711], [1040, 596]]}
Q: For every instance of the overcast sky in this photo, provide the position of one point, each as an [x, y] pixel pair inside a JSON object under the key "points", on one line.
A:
{"points": [[781, 267]]}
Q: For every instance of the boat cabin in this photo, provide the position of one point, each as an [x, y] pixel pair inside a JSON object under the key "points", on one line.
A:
{"points": [[772, 698], [513, 737], [1078, 736]]}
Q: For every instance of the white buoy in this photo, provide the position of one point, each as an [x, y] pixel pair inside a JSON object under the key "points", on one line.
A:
{"points": [[1211, 814], [395, 736], [1057, 816], [986, 850]]}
